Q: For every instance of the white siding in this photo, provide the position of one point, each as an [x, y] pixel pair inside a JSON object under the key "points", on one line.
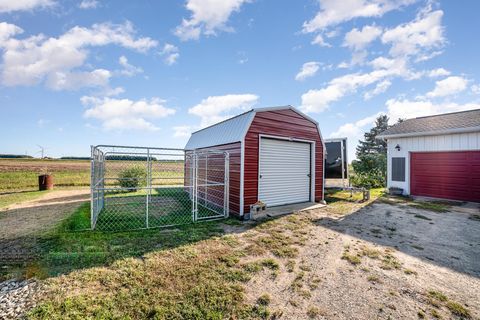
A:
{"points": [[449, 142]]}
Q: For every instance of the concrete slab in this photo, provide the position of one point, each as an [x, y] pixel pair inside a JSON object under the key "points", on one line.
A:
{"points": [[286, 209]]}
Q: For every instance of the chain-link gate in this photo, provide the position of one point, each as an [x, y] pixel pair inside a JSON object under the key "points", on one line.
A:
{"points": [[140, 187]]}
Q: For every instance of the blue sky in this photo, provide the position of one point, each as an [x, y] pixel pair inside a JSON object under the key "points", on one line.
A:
{"points": [[77, 73]]}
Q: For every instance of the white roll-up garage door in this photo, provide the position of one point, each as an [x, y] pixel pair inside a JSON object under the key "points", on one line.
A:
{"points": [[284, 172]]}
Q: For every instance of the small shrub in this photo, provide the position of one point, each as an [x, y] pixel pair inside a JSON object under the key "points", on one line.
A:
{"points": [[421, 314], [133, 178]]}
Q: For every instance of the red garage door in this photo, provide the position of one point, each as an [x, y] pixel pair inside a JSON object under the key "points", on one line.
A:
{"points": [[449, 175]]}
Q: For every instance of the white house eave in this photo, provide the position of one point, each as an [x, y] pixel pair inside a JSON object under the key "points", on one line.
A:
{"points": [[429, 133]]}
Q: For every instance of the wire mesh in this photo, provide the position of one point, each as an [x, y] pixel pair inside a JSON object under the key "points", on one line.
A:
{"points": [[139, 187]]}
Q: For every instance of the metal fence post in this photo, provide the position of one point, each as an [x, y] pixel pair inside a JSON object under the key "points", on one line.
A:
{"points": [[226, 185], [195, 187], [149, 184], [92, 184]]}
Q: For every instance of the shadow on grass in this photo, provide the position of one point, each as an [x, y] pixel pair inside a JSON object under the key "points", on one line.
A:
{"points": [[444, 237]]}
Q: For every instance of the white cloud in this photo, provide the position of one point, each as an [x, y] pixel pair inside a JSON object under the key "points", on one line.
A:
{"points": [[448, 86], [74, 80], [417, 37], [475, 88], [183, 131], [414, 40], [439, 72], [128, 69], [88, 4], [23, 5], [333, 12], [8, 30], [170, 54], [111, 92], [207, 17], [125, 114], [359, 39], [217, 108], [406, 109], [353, 132], [309, 69], [320, 41], [379, 88], [36, 59], [318, 100], [42, 122]]}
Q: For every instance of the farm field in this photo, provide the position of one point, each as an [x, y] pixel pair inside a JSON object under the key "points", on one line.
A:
{"points": [[19, 177], [22, 174]]}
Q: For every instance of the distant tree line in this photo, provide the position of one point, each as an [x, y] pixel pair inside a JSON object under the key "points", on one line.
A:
{"points": [[15, 156], [129, 158], [75, 158]]}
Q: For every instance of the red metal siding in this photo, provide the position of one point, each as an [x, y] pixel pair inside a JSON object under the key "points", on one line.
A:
{"points": [[282, 123], [234, 150], [449, 175]]}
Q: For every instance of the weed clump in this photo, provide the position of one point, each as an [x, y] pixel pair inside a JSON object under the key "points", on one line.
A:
{"points": [[458, 310], [264, 299]]}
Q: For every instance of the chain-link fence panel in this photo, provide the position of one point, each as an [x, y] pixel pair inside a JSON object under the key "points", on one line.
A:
{"points": [[137, 187]]}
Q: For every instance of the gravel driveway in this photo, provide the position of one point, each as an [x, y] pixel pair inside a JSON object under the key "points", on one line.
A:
{"points": [[382, 261]]}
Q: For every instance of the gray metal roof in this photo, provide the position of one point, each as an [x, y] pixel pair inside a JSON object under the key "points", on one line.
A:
{"points": [[232, 130], [227, 131], [463, 121]]}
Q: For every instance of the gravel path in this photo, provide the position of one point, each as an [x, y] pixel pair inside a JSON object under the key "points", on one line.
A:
{"points": [[32, 217], [429, 251], [20, 224]]}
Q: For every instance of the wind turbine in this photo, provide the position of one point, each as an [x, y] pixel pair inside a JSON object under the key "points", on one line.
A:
{"points": [[41, 151]]}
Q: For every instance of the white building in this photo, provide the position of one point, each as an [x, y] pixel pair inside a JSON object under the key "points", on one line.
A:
{"points": [[436, 156]]}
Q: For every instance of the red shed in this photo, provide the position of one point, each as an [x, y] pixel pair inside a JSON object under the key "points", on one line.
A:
{"points": [[276, 156]]}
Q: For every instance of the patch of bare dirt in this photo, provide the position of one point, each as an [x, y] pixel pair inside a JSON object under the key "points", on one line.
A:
{"points": [[380, 262], [21, 224]]}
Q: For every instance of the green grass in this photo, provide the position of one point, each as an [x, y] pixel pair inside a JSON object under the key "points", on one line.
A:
{"points": [[66, 248], [340, 202], [167, 206], [18, 197], [458, 310], [28, 180], [434, 206], [193, 271], [352, 258], [64, 251]]}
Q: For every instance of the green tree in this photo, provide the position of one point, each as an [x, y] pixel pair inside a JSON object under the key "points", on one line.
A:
{"points": [[370, 168], [371, 145]]}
